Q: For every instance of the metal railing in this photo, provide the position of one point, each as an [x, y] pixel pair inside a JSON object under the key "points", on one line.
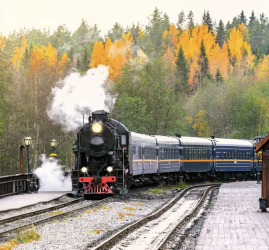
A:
{"points": [[14, 184]]}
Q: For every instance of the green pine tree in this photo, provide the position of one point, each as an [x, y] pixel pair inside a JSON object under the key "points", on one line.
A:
{"points": [[180, 21], [221, 36], [157, 24], [182, 73], [190, 19], [242, 18], [25, 59], [235, 22], [218, 76], [116, 32], [206, 19], [252, 19], [203, 63]]}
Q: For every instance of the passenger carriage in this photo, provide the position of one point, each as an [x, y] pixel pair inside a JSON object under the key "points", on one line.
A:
{"points": [[169, 160], [234, 158], [197, 156]]}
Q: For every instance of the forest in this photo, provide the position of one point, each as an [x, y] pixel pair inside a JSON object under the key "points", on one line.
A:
{"points": [[187, 78]]}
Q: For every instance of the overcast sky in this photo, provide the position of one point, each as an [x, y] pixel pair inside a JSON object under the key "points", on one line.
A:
{"points": [[16, 14]]}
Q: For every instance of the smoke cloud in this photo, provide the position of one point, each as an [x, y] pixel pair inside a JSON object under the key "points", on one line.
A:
{"points": [[78, 95], [51, 176]]}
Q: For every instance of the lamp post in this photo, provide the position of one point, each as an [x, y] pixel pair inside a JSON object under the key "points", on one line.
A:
{"points": [[28, 142], [53, 144]]}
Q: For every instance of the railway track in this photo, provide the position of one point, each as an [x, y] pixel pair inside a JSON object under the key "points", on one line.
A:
{"points": [[152, 231], [24, 221]]}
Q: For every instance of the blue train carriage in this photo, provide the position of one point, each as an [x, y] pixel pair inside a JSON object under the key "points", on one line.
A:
{"points": [[169, 158], [234, 159], [197, 162], [143, 159]]}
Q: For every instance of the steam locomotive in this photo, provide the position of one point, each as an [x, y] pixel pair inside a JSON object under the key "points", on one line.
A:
{"points": [[109, 158]]}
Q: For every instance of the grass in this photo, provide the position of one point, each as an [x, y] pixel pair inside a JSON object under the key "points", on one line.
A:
{"points": [[55, 213], [21, 238], [162, 187], [130, 208], [95, 231], [180, 185], [157, 190]]}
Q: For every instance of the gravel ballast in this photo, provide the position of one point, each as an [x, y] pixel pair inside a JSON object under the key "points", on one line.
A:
{"points": [[91, 226]]}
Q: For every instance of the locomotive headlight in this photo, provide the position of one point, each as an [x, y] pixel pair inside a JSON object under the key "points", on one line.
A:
{"points": [[109, 169], [97, 128], [84, 170]]}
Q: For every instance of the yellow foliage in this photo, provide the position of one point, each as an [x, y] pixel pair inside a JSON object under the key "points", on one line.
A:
{"points": [[127, 37], [98, 55], [169, 57], [2, 42], [140, 32], [113, 55], [219, 59], [19, 52], [43, 57], [63, 63], [108, 45], [141, 57], [237, 45], [244, 30], [262, 69], [171, 37], [191, 46], [200, 125], [191, 42]]}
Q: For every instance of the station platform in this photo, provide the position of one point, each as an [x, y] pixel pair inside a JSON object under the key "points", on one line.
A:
{"points": [[23, 200], [234, 221]]}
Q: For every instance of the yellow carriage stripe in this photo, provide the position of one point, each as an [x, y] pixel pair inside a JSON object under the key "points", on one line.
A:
{"points": [[173, 160]]}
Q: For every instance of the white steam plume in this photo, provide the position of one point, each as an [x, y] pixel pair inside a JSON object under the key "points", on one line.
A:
{"points": [[78, 95], [51, 176]]}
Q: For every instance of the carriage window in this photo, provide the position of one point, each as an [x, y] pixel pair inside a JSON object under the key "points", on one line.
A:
{"points": [[139, 152], [134, 150]]}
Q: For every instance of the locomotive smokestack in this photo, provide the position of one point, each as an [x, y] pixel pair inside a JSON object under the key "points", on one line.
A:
{"points": [[100, 116]]}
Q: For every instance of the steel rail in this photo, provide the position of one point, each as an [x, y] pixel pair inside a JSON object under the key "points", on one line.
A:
{"points": [[141, 222], [37, 203], [38, 222], [40, 211], [186, 218]]}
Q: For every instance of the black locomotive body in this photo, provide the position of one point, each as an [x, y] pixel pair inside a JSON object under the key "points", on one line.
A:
{"points": [[109, 158], [101, 156]]}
